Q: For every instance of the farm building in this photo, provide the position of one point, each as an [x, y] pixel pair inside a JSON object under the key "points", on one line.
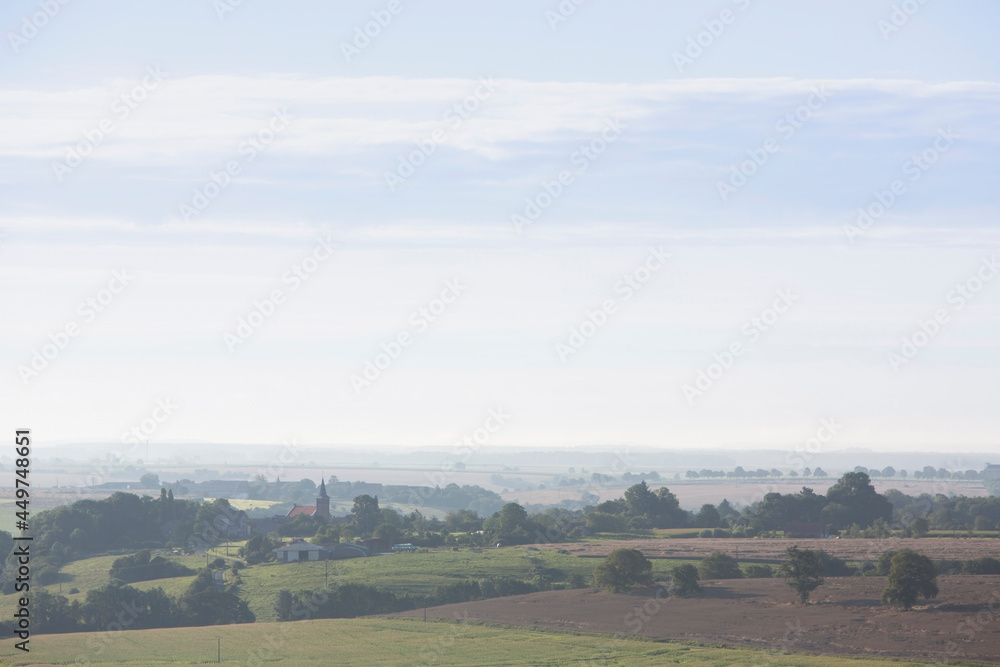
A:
{"points": [[403, 547], [341, 550], [300, 551], [805, 529]]}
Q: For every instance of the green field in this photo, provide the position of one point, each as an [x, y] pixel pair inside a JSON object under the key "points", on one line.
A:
{"points": [[382, 641], [419, 573], [416, 573]]}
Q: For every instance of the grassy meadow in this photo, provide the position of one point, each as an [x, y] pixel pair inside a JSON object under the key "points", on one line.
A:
{"points": [[383, 641]]}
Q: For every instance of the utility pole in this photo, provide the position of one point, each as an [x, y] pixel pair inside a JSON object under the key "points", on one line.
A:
{"points": [[326, 573], [218, 654]]}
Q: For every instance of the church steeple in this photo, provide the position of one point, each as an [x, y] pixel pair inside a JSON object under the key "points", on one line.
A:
{"points": [[322, 501]]}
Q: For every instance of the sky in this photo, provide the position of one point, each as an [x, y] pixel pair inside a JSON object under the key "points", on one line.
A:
{"points": [[698, 225]]}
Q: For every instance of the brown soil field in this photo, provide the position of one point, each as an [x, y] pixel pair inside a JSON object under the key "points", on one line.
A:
{"points": [[844, 617], [774, 549]]}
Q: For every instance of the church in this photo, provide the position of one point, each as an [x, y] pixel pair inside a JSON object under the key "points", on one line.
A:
{"points": [[321, 508]]}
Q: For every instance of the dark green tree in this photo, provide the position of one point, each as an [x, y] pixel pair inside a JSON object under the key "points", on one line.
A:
{"points": [[367, 515], [803, 571], [864, 505], [911, 575], [623, 569]]}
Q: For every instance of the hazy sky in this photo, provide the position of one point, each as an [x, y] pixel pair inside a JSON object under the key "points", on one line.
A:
{"points": [[632, 223]]}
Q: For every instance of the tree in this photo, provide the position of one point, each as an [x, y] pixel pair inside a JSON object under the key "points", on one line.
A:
{"points": [[149, 481], [920, 527], [911, 575], [719, 565], [708, 517], [803, 571], [366, 514], [864, 505], [258, 549], [684, 582], [622, 569]]}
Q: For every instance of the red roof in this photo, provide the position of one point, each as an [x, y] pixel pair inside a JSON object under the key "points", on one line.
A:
{"points": [[308, 510]]}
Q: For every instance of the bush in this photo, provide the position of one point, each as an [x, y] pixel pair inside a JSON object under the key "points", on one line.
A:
{"points": [[684, 581], [985, 565], [706, 533], [833, 566], [140, 567], [758, 571], [719, 565]]}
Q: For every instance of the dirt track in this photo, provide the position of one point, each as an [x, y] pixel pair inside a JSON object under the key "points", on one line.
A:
{"points": [[845, 617], [774, 549]]}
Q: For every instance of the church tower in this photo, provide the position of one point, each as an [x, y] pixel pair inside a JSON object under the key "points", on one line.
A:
{"points": [[322, 501]]}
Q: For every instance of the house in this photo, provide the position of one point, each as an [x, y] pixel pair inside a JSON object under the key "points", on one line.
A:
{"points": [[234, 525], [805, 529], [321, 508]]}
